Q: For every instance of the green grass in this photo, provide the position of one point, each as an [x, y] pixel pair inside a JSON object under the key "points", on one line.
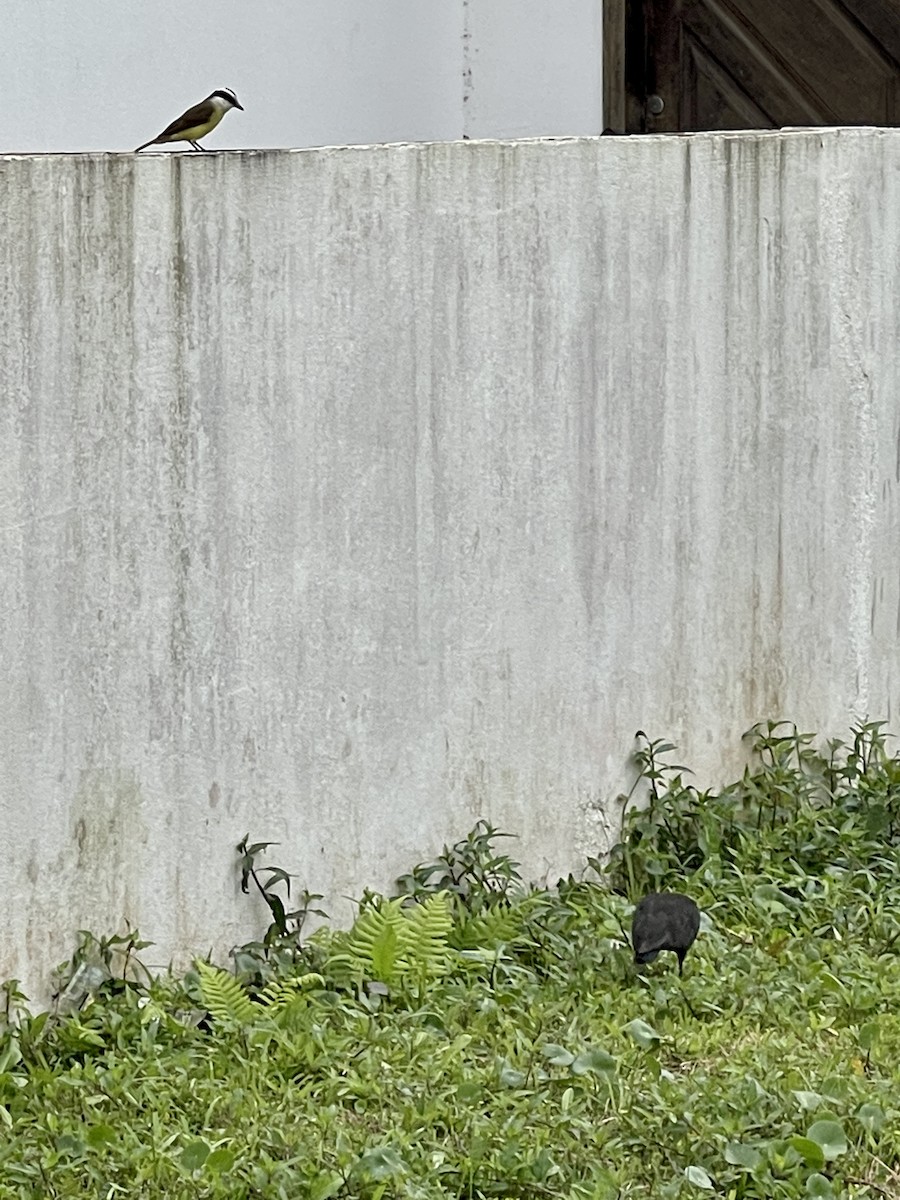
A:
{"points": [[478, 1039]]}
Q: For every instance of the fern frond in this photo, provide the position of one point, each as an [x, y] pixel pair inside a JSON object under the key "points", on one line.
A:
{"points": [[492, 927], [389, 942], [375, 944], [427, 934], [343, 969], [278, 992], [223, 995]]}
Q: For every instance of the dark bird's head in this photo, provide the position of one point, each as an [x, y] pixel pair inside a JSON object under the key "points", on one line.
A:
{"points": [[664, 921], [228, 97]]}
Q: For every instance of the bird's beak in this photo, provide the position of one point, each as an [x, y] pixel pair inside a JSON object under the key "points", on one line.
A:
{"points": [[240, 106]]}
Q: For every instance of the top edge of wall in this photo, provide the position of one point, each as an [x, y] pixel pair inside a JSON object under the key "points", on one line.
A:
{"points": [[704, 135]]}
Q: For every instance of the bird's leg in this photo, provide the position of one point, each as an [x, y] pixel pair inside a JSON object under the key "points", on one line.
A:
{"points": [[197, 146], [688, 1003]]}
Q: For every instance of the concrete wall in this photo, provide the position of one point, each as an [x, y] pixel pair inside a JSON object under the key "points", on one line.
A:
{"points": [[349, 496], [100, 76]]}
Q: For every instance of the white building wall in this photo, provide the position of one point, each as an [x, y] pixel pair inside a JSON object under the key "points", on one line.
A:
{"points": [[104, 76], [532, 68], [349, 496]]}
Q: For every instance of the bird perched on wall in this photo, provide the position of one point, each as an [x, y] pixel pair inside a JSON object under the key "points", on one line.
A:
{"points": [[664, 921], [198, 121]]}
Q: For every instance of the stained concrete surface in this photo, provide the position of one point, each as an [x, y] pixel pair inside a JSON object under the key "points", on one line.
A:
{"points": [[349, 496]]}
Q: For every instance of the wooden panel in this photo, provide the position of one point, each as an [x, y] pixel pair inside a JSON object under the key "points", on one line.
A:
{"points": [[713, 99], [756, 69], [819, 46], [614, 118], [881, 19], [725, 64]]}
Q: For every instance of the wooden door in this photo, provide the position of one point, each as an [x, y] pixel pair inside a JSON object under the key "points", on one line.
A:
{"points": [[679, 65]]}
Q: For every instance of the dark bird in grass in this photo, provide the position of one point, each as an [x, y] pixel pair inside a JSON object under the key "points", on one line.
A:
{"points": [[664, 921]]}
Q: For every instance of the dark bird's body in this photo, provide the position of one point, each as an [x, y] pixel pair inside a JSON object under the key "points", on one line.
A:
{"points": [[664, 921]]}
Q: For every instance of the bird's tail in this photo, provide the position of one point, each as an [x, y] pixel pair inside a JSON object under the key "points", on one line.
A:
{"points": [[152, 142]]}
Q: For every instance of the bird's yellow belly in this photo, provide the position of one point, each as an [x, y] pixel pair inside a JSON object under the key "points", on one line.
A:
{"points": [[197, 131]]}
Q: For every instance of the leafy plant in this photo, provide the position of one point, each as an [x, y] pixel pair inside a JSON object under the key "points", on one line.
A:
{"points": [[471, 871], [101, 964], [223, 995], [281, 947], [792, 804], [670, 832], [227, 1001], [392, 944], [513, 1051], [13, 1004]]}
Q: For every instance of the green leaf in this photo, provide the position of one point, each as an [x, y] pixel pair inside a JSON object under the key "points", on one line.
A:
{"points": [[276, 875], [698, 1178], [739, 1154], [871, 1117], [224, 996], [770, 898], [194, 1155], [10, 1055], [645, 1035], [67, 1143], [221, 1161], [510, 1077], [382, 1162], [830, 1136], [324, 1186], [469, 1093], [831, 983], [593, 1061], [868, 1036], [276, 908], [256, 848], [369, 950], [809, 1151], [36, 1025], [808, 1101], [425, 934], [819, 1186], [605, 1185], [384, 953], [557, 1056], [100, 1135], [279, 993]]}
